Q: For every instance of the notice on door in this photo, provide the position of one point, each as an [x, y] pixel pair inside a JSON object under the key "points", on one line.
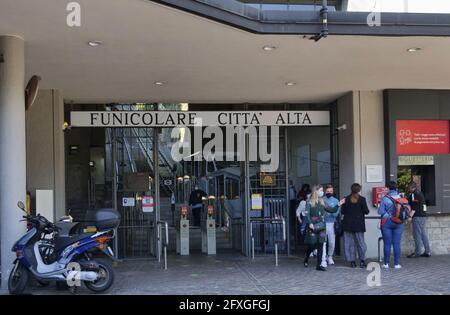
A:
{"points": [[423, 137], [147, 204], [257, 201], [128, 202]]}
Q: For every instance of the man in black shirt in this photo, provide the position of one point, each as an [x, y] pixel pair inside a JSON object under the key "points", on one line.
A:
{"points": [[416, 200], [196, 201]]}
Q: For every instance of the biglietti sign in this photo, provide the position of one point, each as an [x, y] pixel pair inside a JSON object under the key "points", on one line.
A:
{"points": [[191, 119]]}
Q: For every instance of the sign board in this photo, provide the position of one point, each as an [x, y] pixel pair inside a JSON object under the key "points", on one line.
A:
{"points": [[267, 180], [167, 182], [257, 201], [147, 204], [169, 119], [374, 173], [136, 182], [405, 160], [423, 136], [128, 202]]}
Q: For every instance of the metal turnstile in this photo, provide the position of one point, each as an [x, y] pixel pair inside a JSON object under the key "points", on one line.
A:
{"points": [[182, 228], [208, 230]]}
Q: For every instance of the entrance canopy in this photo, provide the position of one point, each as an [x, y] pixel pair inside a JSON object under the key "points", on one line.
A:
{"points": [[196, 60]]}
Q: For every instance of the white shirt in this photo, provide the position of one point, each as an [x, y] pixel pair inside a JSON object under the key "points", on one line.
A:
{"points": [[301, 210]]}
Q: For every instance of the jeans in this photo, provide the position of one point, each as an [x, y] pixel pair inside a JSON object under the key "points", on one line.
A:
{"points": [[392, 237], [420, 234], [331, 241]]}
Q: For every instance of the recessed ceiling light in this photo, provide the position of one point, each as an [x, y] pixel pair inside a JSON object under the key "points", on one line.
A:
{"points": [[159, 83], [290, 83], [269, 48], [414, 49], [94, 43]]}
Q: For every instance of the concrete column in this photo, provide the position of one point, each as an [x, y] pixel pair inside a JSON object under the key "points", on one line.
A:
{"points": [[360, 145], [12, 147]]}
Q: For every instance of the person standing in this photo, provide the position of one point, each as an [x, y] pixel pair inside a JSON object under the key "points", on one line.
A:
{"points": [[301, 215], [416, 200], [354, 209], [316, 231], [391, 231], [196, 203], [332, 212], [304, 192]]}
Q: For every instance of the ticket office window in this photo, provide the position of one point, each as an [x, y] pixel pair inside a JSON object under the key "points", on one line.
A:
{"points": [[424, 176]]}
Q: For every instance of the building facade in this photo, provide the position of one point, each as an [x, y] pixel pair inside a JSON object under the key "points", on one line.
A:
{"points": [[362, 92]]}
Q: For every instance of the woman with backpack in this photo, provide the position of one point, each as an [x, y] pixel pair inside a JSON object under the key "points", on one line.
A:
{"points": [[354, 208], [390, 230], [316, 228]]}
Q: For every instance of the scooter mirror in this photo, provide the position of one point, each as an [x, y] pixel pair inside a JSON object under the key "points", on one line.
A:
{"points": [[21, 206]]}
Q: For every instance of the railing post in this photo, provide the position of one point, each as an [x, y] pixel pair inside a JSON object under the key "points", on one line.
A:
{"points": [[276, 254], [165, 257], [253, 247]]}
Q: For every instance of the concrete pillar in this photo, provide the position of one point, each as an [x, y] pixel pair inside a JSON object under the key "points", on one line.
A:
{"points": [[12, 147], [45, 149], [362, 144]]}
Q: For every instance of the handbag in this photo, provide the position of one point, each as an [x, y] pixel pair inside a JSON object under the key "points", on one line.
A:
{"points": [[338, 231], [319, 227]]}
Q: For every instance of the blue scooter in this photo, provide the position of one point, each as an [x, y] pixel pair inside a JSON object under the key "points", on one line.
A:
{"points": [[66, 259]]}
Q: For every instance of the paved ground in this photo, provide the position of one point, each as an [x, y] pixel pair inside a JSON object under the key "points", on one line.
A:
{"points": [[235, 275]]}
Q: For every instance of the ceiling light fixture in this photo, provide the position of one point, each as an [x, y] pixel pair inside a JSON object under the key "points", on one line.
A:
{"points": [[414, 49], [269, 48], [94, 43], [159, 83], [290, 83]]}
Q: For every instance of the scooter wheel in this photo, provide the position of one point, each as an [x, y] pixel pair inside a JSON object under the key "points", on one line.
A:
{"points": [[105, 280], [18, 280]]}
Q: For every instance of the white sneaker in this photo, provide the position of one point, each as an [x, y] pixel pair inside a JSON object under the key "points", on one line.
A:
{"points": [[398, 266], [330, 260], [323, 264], [386, 266]]}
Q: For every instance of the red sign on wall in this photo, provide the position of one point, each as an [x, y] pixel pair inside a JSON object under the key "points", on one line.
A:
{"points": [[423, 137]]}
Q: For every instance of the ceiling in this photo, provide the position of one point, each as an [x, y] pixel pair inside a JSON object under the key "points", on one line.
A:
{"points": [[202, 61]]}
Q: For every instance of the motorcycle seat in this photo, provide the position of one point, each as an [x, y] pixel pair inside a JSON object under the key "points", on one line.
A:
{"points": [[64, 241]]}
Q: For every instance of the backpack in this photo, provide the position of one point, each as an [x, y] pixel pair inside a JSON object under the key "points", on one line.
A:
{"points": [[402, 210]]}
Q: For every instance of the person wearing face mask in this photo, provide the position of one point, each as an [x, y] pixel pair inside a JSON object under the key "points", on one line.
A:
{"points": [[354, 209], [332, 212], [316, 231]]}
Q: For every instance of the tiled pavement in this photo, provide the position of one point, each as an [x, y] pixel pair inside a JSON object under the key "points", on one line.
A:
{"points": [[234, 274]]}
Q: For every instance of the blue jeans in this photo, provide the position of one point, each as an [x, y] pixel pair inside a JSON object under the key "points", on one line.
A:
{"points": [[392, 236]]}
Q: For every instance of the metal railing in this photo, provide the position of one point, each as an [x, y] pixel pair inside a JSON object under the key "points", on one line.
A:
{"points": [[270, 222], [165, 244]]}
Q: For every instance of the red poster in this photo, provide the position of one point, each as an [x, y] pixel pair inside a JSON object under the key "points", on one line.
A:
{"points": [[423, 137]]}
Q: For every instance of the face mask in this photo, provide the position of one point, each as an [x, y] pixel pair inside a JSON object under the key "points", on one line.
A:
{"points": [[329, 195], [320, 194]]}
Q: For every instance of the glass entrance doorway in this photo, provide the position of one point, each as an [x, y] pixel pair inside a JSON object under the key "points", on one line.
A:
{"points": [[248, 189]]}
